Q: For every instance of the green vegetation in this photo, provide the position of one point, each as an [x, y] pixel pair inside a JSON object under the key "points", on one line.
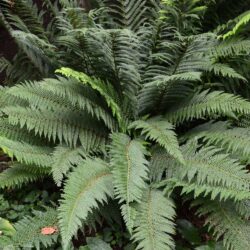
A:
{"points": [[127, 112]]}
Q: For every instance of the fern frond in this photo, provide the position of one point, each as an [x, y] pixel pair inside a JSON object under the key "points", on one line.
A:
{"points": [[64, 158], [226, 223], [243, 20], [161, 131], [68, 127], [128, 14], [27, 153], [105, 89], [90, 183], [18, 174], [129, 172], [225, 71], [233, 140], [80, 96], [157, 164], [231, 48], [209, 166], [202, 190], [154, 222], [28, 230], [207, 104]]}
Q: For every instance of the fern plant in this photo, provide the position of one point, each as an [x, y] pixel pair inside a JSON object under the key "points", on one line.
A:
{"points": [[120, 125]]}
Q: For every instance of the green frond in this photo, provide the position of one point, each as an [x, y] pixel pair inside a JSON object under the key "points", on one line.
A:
{"points": [[157, 164], [27, 153], [28, 230], [243, 20], [243, 208], [129, 168], [225, 71], [105, 89], [209, 165], [127, 14], [80, 96], [18, 174], [225, 222], [233, 140], [69, 127], [88, 186], [202, 190], [64, 159], [231, 48], [26, 16], [185, 61], [37, 50], [207, 104], [154, 222], [61, 93], [161, 131], [14, 133]]}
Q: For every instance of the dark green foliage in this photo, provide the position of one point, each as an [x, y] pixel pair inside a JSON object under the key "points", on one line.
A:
{"points": [[143, 112]]}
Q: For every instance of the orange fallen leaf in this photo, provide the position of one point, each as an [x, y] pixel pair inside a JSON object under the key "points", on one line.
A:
{"points": [[49, 230]]}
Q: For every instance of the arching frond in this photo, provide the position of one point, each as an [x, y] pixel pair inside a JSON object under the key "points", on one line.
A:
{"points": [[88, 186], [224, 220], [242, 20], [233, 140], [214, 192], [208, 166], [128, 14], [19, 174], [161, 131], [207, 104], [105, 89], [68, 127], [27, 153]]}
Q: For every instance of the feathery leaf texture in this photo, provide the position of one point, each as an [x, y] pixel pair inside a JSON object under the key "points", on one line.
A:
{"points": [[19, 174], [87, 187], [224, 220], [64, 159], [154, 222], [207, 104], [234, 140], [160, 130], [129, 169], [27, 153], [105, 89], [31, 227]]}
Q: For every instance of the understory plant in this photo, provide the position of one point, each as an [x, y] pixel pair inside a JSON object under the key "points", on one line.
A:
{"points": [[144, 112]]}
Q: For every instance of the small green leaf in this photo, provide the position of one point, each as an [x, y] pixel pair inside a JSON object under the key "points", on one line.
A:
{"points": [[97, 244]]}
